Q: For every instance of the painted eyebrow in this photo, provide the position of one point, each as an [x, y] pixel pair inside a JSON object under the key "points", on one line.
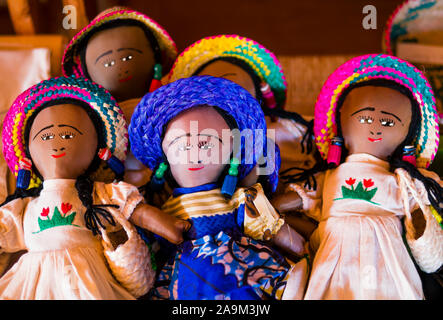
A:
{"points": [[363, 109], [134, 49], [42, 130], [385, 112], [102, 55], [228, 74], [67, 125], [188, 135]]}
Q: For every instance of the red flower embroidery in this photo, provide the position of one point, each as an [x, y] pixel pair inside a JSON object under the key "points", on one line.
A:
{"points": [[368, 183], [45, 212], [66, 207], [350, 181]]}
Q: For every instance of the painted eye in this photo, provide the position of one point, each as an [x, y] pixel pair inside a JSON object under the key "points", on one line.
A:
{"points": [[365, 119], [67, 135], [127, 58], [184, 147], [387, 122], [47, 136], [109, 64], [205, 145]]}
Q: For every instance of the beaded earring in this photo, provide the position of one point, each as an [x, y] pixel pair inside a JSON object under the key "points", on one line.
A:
{"points": [[335, 149], [230, 181], [156, 81], [24, 173], [113, 162], [268, 95], [409, 155], [158, 179]]}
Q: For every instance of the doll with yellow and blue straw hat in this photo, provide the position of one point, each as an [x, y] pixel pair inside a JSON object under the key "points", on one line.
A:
{"points": [[257, 69]]}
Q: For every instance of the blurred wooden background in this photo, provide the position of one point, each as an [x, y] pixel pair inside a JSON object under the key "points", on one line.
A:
{"points": [[311, 38]]}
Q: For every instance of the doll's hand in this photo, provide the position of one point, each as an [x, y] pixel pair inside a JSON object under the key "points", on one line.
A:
{"points": [[289, 240], [160, 223], [287, 202], [301, 224]]}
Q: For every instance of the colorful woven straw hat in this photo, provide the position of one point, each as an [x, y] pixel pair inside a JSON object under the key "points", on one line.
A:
{"points": [[156, 109], [382, 66], [412, 17], [101, 101], [264, 63], [71, 63]]}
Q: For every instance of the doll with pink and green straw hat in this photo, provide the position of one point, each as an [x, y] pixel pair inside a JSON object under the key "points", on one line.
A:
{"points": [[65, 139], [376, 128]]}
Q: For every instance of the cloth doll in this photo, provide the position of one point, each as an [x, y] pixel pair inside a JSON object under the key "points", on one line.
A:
{"points": [[185, 132], [255, 68], [377, 131], [62, 138], [126, 52]]}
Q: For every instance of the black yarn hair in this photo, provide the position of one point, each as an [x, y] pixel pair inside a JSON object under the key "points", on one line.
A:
{"points": [[83, 184], [275, 112], [434, 191], [115, 24]]}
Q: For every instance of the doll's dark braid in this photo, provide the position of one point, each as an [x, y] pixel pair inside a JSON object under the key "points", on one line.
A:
{"points": [[93, 212]]}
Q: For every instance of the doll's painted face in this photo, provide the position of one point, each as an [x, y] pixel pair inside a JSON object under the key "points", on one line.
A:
{"points": [[230, 71], [121, 60], [197, 144], [62, 142], [375, 120]]}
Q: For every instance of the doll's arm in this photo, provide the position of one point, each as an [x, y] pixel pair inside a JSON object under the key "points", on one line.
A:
{"points": [[131, 205], [160, 223], [289, 240], [11, 225], [424, 234], [290, 202], [287, 202], [262, 222], [297, 198]]}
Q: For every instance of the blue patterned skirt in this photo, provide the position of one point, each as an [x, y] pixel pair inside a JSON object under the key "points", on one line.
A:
{"points": [[226, 265]]}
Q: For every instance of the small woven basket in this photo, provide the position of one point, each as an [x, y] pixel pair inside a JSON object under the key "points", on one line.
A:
{"points": [[130, 262]]}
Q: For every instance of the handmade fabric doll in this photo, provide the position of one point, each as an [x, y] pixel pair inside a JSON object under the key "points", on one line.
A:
{"points": [[126, 52], [376, 126], [186, 132], [258, 70], [58, 136]]}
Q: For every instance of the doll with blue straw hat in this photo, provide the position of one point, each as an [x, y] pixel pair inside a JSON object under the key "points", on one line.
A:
{"points": [[186, 132]]}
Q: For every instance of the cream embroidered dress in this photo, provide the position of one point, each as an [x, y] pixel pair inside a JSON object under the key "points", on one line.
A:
{"points": [[360, 252], [64, 259]]}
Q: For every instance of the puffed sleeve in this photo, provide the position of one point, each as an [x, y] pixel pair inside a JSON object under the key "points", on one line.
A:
{"points": [[123, 194], [11, 225], [311, 197], [427, 250]]}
